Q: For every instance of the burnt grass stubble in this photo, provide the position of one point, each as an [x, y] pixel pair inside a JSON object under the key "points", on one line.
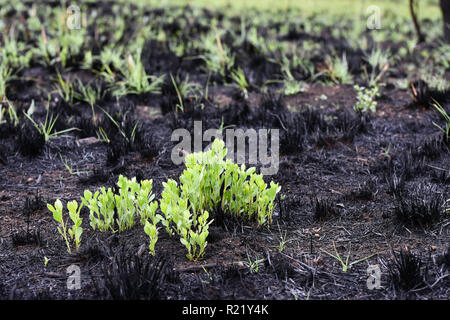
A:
{"points": [[339, 185]]}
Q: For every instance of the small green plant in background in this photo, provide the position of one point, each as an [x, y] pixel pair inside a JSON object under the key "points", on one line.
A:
{"points": [[12, 114], [446, 128], [338, 70], [46, 128], [102, 135], [346, 264], [291, 85], [253, 265], [366, 99], [64, 88], [69, 167], [241, 82], [89, 94], [152, 231], [15, 53], [135, 79], [379, 63], [217, 56], [73, 234]]}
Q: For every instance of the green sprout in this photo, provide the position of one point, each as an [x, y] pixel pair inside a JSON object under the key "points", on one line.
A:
{"points": [[135, 79], [64, 88], [338, 70], [366, 99], [253, 265], [12, 114], [46, 128], [443, 113], [345, 264], [241, 82], [88, 94], [69, 167], [104, 137], [379, 63], [72, 234]]}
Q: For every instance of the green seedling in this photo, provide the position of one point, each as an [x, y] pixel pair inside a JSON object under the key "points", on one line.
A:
{"points": [[88, 94], [14, 53], [379, 62], [180, 104], [101, 207], [135, 79], [102, 135], [338, 70], [283, 241], [366, 99], [218, 58], [46, 128], [64, 88], [46, 260], [74, 233], [152, 231], [346, 264], [12, 115]]}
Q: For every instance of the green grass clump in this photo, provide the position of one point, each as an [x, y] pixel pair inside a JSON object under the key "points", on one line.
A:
{"points": [[133, 199]]}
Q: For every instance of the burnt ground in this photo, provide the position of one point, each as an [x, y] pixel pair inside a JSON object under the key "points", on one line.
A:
{"points": [[376, 183]]}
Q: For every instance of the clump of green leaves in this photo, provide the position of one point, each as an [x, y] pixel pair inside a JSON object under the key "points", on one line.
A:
{"points": [[14, 53], [210, 182], [135, 79], [217, 56], [366, 99], [152, 231], [346, 264], [133, 199], [338, 70], [241, 82], [379, 63], [73, 234], [46, 128]]}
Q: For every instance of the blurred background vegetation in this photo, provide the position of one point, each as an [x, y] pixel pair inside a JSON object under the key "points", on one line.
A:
{"points": [[427, 8]]}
